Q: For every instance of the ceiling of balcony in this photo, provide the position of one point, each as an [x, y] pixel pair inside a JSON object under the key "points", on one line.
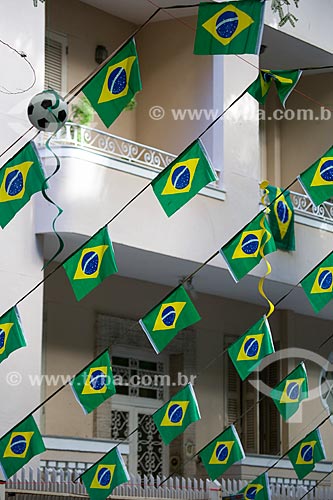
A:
{"points": [[137, 11], [282, 50], [143, 265]]}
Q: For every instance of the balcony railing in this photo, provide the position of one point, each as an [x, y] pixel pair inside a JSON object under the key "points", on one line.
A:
{"points": [[118, 148], [304, 206], [56, 483]]}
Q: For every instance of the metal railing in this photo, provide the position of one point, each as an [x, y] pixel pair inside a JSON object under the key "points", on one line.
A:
{"points": [[37, 484], [113, 146], [304, 206]]}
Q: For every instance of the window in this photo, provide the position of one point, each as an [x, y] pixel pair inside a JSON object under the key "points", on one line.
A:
{"points": [[138, 377], [56, 62], [139, 383], [241, 398]]}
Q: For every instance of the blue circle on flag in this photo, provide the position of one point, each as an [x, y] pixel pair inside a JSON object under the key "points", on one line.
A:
{"points": [[117, 81], [282, 211], [226, 24], [181, 177], [326, 171], [97, 380], [104, 476], [307, 453], [2, 338], [89, 263], [168, 316], [251, 347], [222, 452], [251, 493], [14, 183], [267, 77], [18, 445], [250, 244], [293, 391], [325, 280], [175, 413]]}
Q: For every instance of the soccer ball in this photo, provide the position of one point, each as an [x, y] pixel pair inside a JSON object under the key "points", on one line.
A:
{"points": [[47, 111]]}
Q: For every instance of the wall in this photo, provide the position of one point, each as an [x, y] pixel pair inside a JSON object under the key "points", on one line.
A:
{"points": [[22, 26], [313, 24], [300, 142], [87, 27], [173, 78], [70, 340]]}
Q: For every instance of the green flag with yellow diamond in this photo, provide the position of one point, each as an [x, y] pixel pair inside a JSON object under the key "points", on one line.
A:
{"points": [[19, 446], [182, 410], [103, 477], [95, 384], [285, 82], [318, 284], [180, 181], [115, 85], [222, 453], [229, 27], [291, 391], [251, 348], [281, 218], [11, 334], [244, 251], [258, 489], [307, 453], [90, 265], [20, 178], [165, 320], [317, 180]]}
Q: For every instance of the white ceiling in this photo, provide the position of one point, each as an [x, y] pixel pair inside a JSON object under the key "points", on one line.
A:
{"points": [[137, 11], [283, 51], [155, 268]]}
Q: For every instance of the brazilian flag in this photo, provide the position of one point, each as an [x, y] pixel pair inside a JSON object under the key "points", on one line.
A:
{"points": [[182, 410], [103, 477], [11, 334], [20, 178], [90, 265], [317, 180], [291, 391], [221, 453], [257, 489], [165, 320], [281, 218], [285, 82], [229, 27], [318, 284], [19, 446], [307, 453], [251, 348], [115, 85], [183, 178], [245, 250], [95, 384]]}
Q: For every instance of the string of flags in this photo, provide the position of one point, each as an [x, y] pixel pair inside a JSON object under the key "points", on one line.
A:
{"points": [[234, 28]]}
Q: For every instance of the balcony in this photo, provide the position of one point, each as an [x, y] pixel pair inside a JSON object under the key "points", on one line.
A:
{"points": [[135, 157], [57, 483], [307, 213]]}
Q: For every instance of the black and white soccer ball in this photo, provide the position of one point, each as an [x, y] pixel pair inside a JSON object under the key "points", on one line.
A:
{"points": [[47, 111]]}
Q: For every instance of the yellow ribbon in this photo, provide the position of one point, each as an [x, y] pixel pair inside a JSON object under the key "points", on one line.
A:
{"points": [[263, 186]]}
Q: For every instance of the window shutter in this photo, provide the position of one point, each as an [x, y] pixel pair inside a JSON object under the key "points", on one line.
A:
{"points": [[269, 415], [250, 419], [55, 62], [233, 389]]}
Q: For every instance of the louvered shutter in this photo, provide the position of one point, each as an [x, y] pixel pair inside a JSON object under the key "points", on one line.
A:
{"points": [[250, 419], [232, 389], [270, 420], [55, 63]]}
